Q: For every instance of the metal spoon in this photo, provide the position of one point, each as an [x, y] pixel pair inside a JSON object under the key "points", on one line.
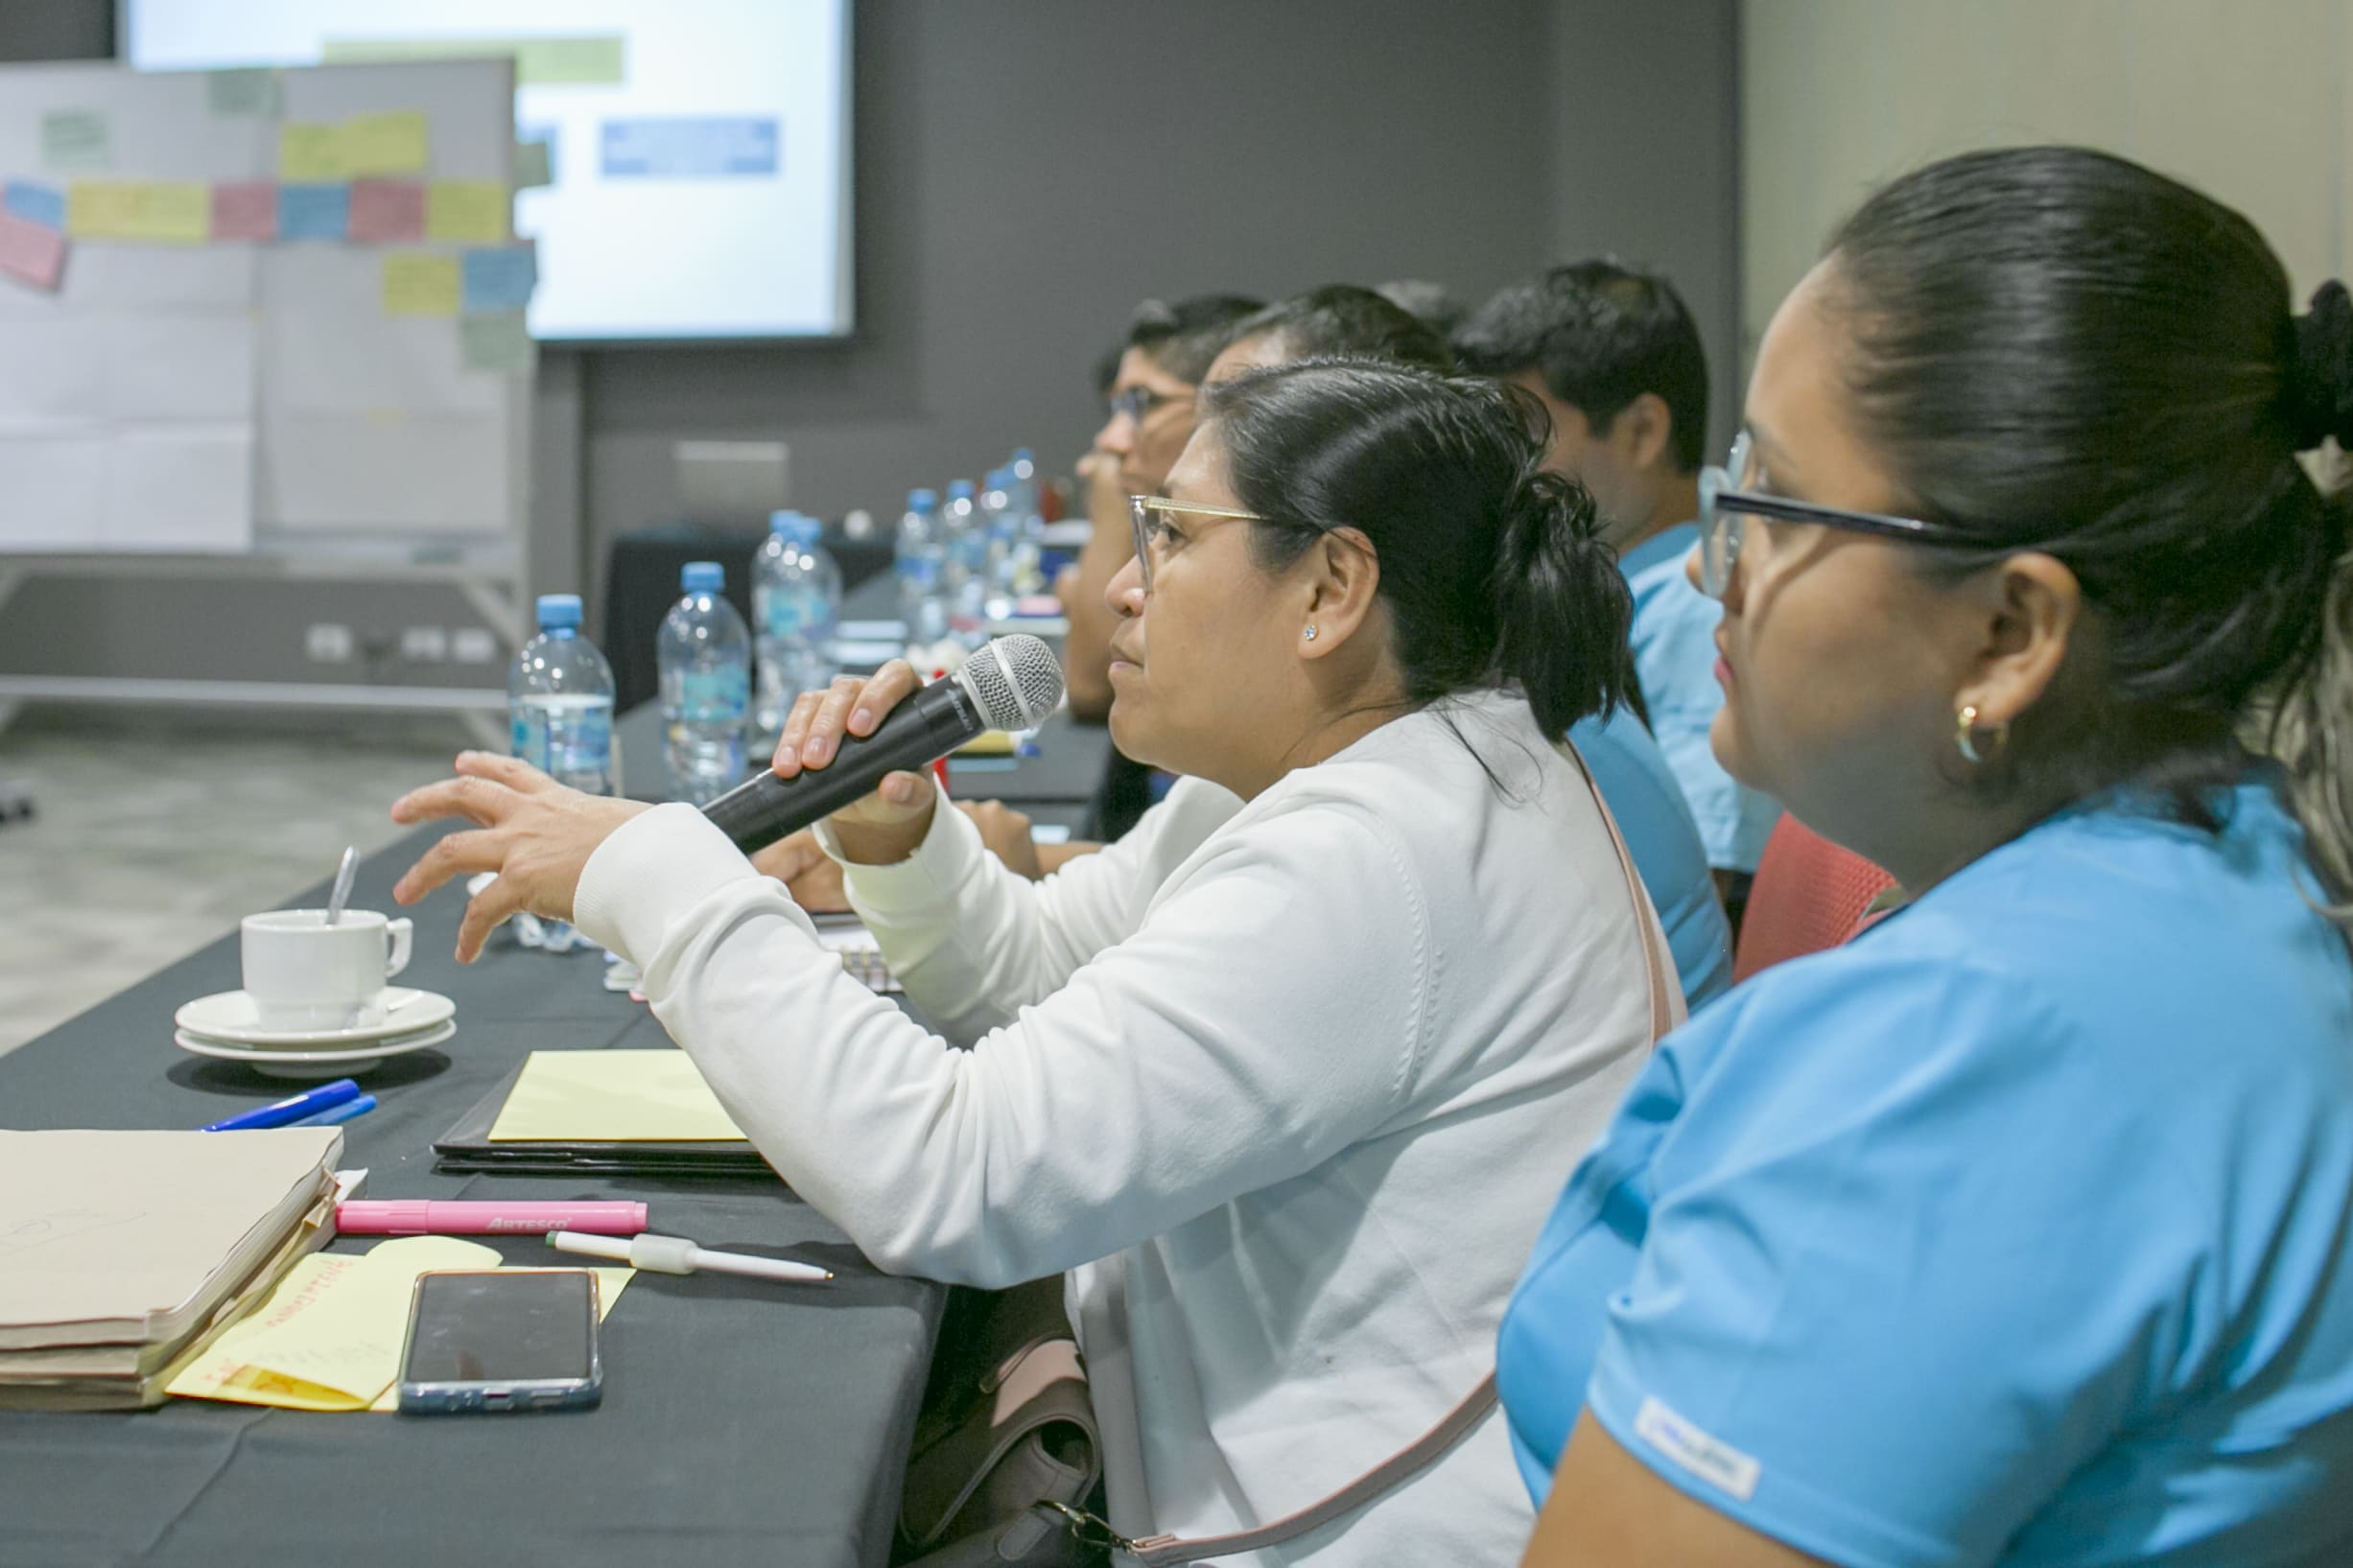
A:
{"points": [[343, 883]]}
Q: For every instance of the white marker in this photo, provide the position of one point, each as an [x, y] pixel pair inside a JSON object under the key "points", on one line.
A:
{"points": [[675, 1254]]}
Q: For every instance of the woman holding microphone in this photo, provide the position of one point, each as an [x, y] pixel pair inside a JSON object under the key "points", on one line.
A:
{"points": [[1286, 1076]]}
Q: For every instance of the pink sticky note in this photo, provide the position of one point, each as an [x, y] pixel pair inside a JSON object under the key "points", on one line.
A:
{"points": [[245, 209], [387, 212], [30, 253]]}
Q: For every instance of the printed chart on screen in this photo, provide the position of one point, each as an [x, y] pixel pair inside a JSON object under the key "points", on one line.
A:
{"points": [[694, 154]]}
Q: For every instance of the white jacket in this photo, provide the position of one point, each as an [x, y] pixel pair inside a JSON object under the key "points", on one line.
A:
{"points": [[1304, 1074]]}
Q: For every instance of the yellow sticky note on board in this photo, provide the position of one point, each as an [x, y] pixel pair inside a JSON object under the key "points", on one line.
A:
{"points": [[100, 209], [311, 154], [654, 1097], [420, 283], [467, 211], [176, 213], [384, 144]]}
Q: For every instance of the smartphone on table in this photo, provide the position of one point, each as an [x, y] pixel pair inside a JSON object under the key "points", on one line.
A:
{"points": [[485, 1341]]}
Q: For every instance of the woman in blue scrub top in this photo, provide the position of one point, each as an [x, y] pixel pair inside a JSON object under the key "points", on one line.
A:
{"points": [[2018, 1230]]}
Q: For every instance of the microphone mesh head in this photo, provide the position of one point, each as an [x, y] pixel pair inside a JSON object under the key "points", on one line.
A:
{"points": [[1014, 681]]}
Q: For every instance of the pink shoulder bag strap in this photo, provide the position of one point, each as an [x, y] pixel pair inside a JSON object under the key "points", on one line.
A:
{"points": [[1163, 1550]]}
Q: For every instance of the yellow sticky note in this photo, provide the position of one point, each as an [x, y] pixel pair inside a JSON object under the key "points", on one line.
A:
{"points": [[100, 209], [650, 1096], [420, 283], [330, 1334], [311, 154], [384, 144], [467, 211], [179, 213]]}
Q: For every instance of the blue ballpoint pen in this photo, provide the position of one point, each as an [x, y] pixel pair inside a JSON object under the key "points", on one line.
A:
{"points": [[286, 1112], [340, 1113]]}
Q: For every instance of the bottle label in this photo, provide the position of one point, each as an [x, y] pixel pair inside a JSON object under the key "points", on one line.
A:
{"points": [[714, 695], [783, 615]]}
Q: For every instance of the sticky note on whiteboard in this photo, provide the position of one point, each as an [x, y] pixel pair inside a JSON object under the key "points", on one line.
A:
{"points": [[243, 94], [499, 343], [30, 253], [310, 154], [77, 141], [384, 144], [500, 279], [245, 209], [466, 211], [42, 204], [420, 283], [314, 212], [387, 212]]}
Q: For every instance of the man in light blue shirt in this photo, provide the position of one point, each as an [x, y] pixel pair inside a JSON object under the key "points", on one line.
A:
{"points": [[1616, 361]]}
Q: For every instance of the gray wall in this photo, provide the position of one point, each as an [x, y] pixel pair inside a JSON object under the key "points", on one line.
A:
{"points": [[1028, 168]]}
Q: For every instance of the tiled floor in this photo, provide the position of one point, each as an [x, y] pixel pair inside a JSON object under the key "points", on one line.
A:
{"points": [[152, 837]]}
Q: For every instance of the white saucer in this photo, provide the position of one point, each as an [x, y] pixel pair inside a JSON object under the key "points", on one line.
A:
{"points": [[272, 1062], [233, 1016]]}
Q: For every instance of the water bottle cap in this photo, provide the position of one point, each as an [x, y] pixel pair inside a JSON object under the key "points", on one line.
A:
{"points": [[704, 577], [960, 490], [922, 499], [809, 532], [1000, 478], [558, 610], [784, 523]]}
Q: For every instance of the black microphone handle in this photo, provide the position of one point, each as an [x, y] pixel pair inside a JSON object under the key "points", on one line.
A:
{"points": [[913, 736]]}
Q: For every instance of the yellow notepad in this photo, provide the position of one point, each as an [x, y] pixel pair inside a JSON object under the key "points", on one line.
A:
{"points": [[329, 1336], [611, 1097]]}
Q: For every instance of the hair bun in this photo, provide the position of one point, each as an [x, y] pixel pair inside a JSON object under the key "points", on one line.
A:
{"points": [[2320, 386]]}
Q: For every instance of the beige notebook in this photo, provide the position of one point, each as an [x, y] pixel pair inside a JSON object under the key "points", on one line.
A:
{"points": [[134, 1238]]}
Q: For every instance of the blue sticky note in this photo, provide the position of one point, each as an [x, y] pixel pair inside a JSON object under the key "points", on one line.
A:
{"points": [[40, 205], [499, 279], [314, 212], [688, 147]]}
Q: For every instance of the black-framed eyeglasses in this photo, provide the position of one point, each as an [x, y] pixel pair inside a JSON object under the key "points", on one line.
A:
{"points": [[1137, 402], [1725, 501], [1148, 515]]}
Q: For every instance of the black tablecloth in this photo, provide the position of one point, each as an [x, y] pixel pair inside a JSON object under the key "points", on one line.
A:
{"points": [[742, 1421], [641, 584]]}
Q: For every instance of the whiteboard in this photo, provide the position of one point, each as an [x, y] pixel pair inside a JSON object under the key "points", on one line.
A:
{"points": [[184, 389]]}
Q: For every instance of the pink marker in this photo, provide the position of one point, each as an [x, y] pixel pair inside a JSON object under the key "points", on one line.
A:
{"points": [[427, 1217]]}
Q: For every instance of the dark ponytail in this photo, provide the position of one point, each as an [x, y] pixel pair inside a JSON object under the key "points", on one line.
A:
{"points": [[1563, 613], [1491, 569]]}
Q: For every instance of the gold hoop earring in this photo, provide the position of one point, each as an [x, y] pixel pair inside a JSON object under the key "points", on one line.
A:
{"points": [[1310, 634], [1964, 735]]}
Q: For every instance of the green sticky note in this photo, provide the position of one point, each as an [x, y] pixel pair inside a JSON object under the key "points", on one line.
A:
{"points": [[77, 141], [245, 95], [497, 341], [533, 165]]}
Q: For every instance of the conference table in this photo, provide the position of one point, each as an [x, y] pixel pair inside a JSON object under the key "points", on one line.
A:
{"points": [[742, 1421]]}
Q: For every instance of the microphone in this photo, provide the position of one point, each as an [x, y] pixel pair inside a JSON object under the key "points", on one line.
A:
{"points": [[1011, 683]]}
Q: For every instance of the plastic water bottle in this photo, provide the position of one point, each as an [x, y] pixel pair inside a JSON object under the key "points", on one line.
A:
{"points": [[922, 557], [797, 604], [1028, 504], [1001, 525], [704, 654], [967, 575], [560, 710]]}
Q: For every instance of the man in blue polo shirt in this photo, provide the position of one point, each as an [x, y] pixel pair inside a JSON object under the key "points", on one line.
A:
{"points": [[1616, 360]]}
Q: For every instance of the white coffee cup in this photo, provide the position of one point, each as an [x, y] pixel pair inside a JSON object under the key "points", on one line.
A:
{"points": [[303, 974]]}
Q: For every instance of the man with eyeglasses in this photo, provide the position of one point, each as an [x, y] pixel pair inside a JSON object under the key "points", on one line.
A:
{"points": [[1167, 352], [1614, 357]]}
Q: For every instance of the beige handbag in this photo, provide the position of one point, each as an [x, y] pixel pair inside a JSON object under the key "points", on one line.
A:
{"points": [[1008, 1519]]}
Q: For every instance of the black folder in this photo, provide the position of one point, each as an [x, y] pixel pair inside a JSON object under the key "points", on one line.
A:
{"points": [[467, 1147]]}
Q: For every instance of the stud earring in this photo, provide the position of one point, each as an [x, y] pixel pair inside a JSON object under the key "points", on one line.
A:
{"points": [[1310, 634]]}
